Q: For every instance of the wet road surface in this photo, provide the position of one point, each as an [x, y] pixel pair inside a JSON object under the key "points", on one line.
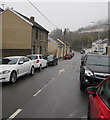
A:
{"points": [[52, 93]]}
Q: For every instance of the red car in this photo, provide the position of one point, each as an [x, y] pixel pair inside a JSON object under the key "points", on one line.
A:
{"points": [[68, 56], [99, 101]]}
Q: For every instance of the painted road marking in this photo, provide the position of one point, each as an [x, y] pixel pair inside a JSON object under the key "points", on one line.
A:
{"points": [[60, 71], [14, 114], [51, 80], [37, 92], [43, 87], [84, 117]]}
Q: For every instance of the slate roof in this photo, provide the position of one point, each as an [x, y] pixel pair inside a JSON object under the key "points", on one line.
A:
{"points": [[33, 22], [1, 10]]}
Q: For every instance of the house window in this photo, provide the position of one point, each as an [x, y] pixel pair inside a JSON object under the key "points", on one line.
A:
{"points": [[33, 50], [36, 34], [44, 37]]}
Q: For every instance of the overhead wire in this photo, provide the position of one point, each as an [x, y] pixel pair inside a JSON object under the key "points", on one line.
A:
{"points": [[42, 14]]}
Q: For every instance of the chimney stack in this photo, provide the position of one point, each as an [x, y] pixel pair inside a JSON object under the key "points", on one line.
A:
{"points": [[32, 18]]}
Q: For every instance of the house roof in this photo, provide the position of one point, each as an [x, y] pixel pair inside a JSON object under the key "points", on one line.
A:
{"points": [[62, 42], [59, 42], [31, 22], [51, 39], [1, 10], [105, 40]]}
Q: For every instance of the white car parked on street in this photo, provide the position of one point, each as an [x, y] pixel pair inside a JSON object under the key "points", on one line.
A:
{"points": [[13, 67], [38, 60]]}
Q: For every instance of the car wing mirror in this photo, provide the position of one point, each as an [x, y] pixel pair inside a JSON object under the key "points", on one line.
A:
{"points": [[21, 62], [91, 90], [82, 62]]}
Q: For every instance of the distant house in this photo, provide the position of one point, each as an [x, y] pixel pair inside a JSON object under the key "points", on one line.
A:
{"points": [[58, 47], [53, 46], [22, 35], [62, 48], [100, 46], [108, 49]]}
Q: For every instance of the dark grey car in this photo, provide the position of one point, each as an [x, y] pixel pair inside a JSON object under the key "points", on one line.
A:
{"points": [[93, 69], [52, 60]]}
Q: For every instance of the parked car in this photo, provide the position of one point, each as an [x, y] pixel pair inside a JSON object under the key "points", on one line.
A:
{"points": [[94, 68], [38, 60], [52, 60], [72, 54], [82, 57], [13, 67], [82, 52], [99, 101], [68, 56]]}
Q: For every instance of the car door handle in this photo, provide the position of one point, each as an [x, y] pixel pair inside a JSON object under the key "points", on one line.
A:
{"points": [[100, 115]]}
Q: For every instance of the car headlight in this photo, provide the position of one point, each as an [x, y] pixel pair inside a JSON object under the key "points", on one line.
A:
{"points": [[4, 72], [88, 73]]}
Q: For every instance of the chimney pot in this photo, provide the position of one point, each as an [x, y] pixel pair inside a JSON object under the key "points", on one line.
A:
{"points": [[32, 18]]}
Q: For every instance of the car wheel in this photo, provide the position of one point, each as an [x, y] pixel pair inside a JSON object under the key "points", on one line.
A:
{"points": [[88, 113], [32, 71], [81, 84], [54, 63], [46, 66], [13, 77], [40, 68]]}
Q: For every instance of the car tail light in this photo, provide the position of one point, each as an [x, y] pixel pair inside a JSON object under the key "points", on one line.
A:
{"points": [[37, 61], [100, 116]]}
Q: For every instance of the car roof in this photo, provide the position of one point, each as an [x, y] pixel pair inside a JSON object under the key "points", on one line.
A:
{"points": [[34, 54], [97, 55], [51, 55], [14, 57]]}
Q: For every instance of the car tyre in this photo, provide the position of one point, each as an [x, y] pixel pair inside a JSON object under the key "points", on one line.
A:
{"points": [[40, 68], [13, 77], [81, 84], [88, 113], [32, 71], [46, 66], [54, 63]]}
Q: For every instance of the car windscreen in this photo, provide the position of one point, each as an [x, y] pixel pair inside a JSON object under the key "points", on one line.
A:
{"points": [[8, 61], [50, 57], [104, 92], [98, 60], [33, 57]]}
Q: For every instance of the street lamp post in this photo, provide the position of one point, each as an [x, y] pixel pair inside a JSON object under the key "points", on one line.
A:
{"points": [[92, 35], [92, 32]]}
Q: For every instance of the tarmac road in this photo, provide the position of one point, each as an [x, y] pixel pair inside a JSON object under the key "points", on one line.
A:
{"points": [[52, 93]]}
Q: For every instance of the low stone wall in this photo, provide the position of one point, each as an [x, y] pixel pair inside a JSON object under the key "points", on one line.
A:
{"points": [[14, 52]]}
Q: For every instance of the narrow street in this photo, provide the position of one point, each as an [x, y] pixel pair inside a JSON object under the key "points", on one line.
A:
{"points": [[52, 93]]}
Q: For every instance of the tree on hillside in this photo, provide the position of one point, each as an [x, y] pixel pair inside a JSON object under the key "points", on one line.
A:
{"points": [[56, 33], [66, 35]]}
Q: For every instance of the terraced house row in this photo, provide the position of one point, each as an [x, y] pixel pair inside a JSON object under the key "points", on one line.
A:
{"points": [[21, 35]]}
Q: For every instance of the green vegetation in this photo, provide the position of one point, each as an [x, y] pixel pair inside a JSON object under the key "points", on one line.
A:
{"points": [[80, 39]]}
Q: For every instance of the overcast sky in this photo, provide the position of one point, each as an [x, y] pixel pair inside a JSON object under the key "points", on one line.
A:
{"points": [[63, 14]]}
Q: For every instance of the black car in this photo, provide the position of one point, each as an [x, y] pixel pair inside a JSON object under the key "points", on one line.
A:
{"points": [[52, 60], [82, 52], [93, 69]]}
